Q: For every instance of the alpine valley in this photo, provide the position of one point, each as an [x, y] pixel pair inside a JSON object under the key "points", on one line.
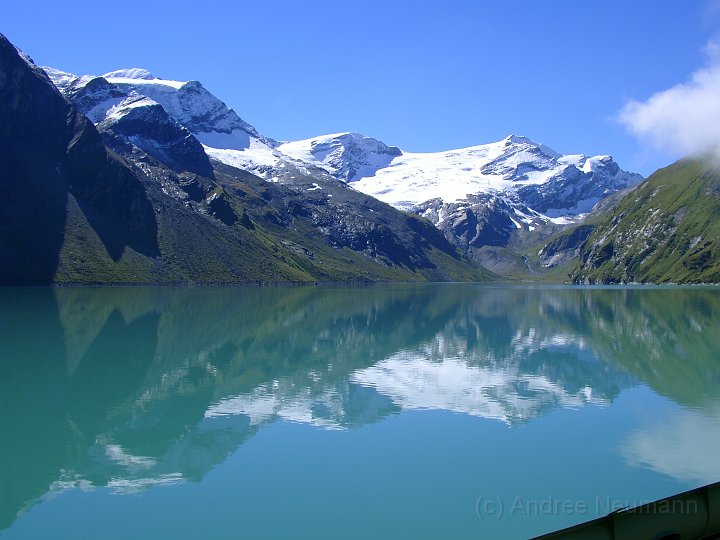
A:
{"points": [[130, 178]]}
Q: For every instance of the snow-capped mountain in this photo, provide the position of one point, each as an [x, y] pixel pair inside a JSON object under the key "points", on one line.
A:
{"points": [[516, 167], [478, 196], [223, 134], [348, 156], [162, 130]]}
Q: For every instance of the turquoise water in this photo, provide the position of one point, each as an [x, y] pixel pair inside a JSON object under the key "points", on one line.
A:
{"points": [[435, 411]]}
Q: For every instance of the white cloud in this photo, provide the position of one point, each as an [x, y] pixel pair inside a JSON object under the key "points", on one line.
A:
{"points": [[684, 119]]}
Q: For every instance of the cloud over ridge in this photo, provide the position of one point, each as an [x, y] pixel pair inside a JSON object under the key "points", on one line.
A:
{"points": [[684, 119]]}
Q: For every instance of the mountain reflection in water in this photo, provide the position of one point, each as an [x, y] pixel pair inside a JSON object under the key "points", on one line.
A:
{"points": [[134, 387]]}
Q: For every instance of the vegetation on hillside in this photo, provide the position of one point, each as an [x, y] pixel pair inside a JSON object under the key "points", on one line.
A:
{"points": [[665, 231]]}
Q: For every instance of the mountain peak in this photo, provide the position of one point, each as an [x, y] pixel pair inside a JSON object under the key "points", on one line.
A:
{"points": [[519, 139], [61, 79], [513, 141], [349, 156], [132, 73]]}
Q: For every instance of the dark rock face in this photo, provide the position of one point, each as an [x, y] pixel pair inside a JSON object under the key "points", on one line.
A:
{"points": [[150, 128], [342, 218], [222, 209], [565, 247], [51, 151], [343, 227], [352, 220], [598, 257], [573, 240], [35, 131], [564, 191], [140, 122], [33, 112], [115, 203], [577, 190], [481, 220]]}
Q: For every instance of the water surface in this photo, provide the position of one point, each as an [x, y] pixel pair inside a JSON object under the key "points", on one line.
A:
{"points": [[399, 411]]}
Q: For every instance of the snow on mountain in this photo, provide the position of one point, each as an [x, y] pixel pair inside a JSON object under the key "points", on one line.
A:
{"points": [[61, 79], [94, 96], [579, 183], [138, 73], [188, 102], [451, 176], [224, 135], [405, 179], [480, 197], [116, 112], [241, 149], [135, 118], [348, 156], [534, 183]]}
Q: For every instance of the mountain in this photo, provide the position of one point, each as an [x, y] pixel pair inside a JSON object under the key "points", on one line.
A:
{"points": [[222, 133], [348, 156], [516, 167], [665, 231], [102, 183], [484, 198], [312, 209]]}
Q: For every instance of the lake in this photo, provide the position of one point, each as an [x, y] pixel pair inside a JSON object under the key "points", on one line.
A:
{"points": [[393, 411]]}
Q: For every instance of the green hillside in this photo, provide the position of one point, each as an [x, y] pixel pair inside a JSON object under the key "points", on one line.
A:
{"points": [[665, 231]]}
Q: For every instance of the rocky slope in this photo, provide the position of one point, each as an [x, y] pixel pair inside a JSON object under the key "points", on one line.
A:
{"points": [[135, 198], [484, 198], [488, 200], [666, 230]]}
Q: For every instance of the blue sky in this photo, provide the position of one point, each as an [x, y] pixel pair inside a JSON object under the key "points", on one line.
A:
{"points": [[421, 75]]}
